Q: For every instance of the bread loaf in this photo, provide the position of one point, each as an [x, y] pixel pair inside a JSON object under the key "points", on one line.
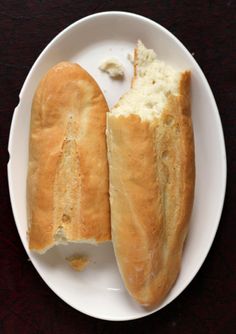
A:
{"points": [[67, 186], [152, 175]]}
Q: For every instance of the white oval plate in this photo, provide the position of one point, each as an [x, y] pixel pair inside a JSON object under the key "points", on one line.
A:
{"points": [[99, 291]]}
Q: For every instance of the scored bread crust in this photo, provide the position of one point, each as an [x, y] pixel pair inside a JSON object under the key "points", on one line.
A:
{"points": [[152, 176], [67, 185]]}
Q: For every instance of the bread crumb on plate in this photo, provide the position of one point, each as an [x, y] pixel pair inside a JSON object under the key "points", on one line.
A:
{"points": [[113, 68], [130, 57], [78, 262]]}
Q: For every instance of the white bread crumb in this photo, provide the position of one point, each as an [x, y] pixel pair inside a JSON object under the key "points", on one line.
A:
{"points": [[114, 69], [130, 57]]}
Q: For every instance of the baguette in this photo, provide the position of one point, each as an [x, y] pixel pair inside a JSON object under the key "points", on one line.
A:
{"points": [[152, 176], [67, 185]]}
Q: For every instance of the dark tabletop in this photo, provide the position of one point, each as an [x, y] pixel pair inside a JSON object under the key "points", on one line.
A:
{"points": [[208, 305]]}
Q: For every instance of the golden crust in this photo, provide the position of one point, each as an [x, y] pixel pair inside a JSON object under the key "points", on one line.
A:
{"points": [[68, 172], [152, 175]]}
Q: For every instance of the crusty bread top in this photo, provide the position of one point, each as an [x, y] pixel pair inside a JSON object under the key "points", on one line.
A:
{"points": [[68, 171], [152, 175]]}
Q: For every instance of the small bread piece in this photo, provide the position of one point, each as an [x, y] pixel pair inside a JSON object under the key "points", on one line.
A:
{"points": [[152, 175], [78, 262], [113, 67], [68, 171]]}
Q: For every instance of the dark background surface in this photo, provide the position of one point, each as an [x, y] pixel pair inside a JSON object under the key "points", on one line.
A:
{"points": [[208, 305]]}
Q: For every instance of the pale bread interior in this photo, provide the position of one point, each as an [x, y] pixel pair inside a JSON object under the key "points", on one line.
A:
{"points": [[154, 81]]}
